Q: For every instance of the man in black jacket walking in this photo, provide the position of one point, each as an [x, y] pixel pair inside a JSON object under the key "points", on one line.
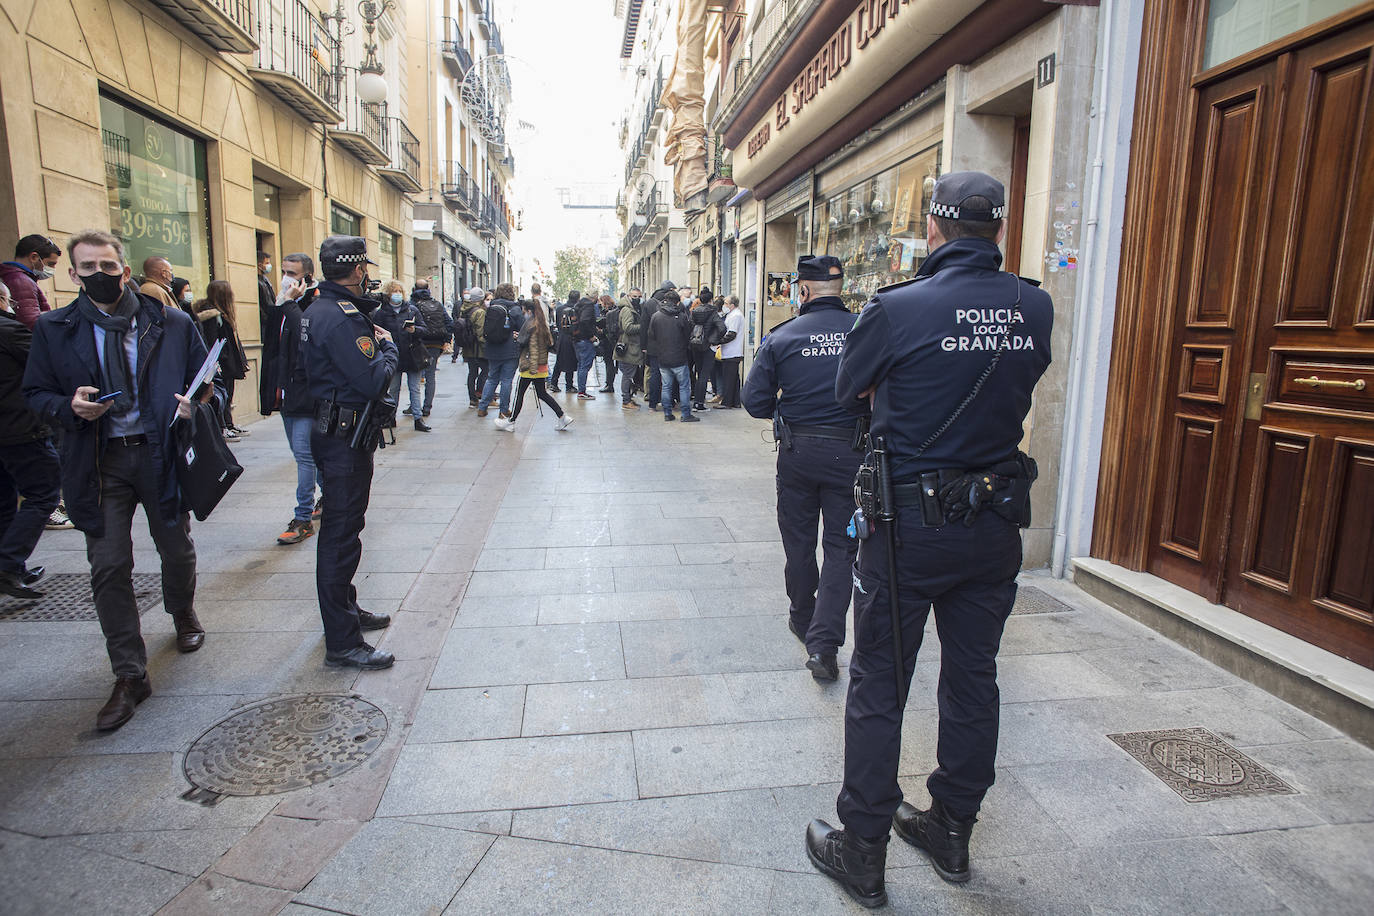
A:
{"points": [[435, 328]]}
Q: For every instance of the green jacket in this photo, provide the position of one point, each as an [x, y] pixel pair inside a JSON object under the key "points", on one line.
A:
{"points": [[631, 335], [476, 314]]}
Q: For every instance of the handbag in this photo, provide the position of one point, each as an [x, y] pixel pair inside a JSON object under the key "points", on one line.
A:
{"points": [[419, 353], [205, 467]]}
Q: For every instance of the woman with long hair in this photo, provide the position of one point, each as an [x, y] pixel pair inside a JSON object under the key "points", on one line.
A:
{"points": [[533, 344], [221, 323]]}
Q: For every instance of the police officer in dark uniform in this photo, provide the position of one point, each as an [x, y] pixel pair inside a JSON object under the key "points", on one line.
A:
{"points": [[816, 457], [947, 362], [349, 363]]}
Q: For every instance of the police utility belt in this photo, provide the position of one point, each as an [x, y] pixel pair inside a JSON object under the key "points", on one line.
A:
{"points": [[784, 433], [361, 427], [954, 495]]}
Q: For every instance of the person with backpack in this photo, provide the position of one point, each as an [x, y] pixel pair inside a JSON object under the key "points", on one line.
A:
{"points": [[608, 330], [499, 329], [629, 352], [435, 329], [584, 333], [708, 329], [467, 335], [533, 344], [565, 363]]}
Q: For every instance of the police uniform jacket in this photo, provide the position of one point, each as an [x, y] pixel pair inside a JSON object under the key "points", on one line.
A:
{"points": [[800, 357], [344, 362], [925, 342]]}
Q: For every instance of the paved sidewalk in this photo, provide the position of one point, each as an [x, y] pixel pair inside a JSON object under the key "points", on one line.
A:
{"points": [[597, 707]]}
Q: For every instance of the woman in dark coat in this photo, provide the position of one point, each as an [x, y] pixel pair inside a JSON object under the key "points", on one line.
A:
{"points": [[565, 348]]}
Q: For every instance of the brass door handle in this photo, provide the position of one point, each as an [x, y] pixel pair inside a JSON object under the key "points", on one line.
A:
{"points": [[1315, 382]]}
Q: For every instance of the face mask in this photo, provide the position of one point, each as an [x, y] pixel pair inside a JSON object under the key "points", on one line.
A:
{"points": [[42, 273], [267, 267], [397, 298], [187, 297], [102, 287]]}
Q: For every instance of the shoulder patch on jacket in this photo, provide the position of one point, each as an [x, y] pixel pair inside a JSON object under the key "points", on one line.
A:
{"points": [[367, 346], [348, 308]]}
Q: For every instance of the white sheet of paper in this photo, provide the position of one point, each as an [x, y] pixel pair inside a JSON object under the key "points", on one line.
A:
{"points": [[205, 372]]}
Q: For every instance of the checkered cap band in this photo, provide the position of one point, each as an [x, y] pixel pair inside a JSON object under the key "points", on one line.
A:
{"points": [[951, 212], [346, 258]]}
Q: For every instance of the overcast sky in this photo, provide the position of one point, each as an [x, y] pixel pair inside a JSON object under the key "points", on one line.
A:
{"points": [[565, 71]]}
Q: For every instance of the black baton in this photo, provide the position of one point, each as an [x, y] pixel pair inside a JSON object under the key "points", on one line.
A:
{"points": [[888, 516]]}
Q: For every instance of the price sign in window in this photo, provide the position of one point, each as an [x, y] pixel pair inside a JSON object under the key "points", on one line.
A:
{"points": [[158, 192]]}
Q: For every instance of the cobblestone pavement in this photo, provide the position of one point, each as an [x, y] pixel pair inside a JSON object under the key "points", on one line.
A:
{"points": [[597, 707]]}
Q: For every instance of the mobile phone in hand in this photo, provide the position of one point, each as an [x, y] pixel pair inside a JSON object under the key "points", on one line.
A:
{"points": [[108, 397]]}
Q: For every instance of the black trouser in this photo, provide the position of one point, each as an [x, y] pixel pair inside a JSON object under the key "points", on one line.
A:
{"points": [[609, 360], [702, 364], [969, 574], [346, 478], [130, 477], [477, 377], [654, 380], [540, 391], [816, 485], [565, 364], [228, 418], [639, 377], [729, 381], [27, 469], [627, 373]]}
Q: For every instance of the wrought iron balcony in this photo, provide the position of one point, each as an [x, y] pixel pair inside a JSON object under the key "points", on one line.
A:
{"points": [[403, 150], [294, 59], [652, 214], [362, 132], [460, 190], [453, 49], [493, 219], [225, 25]]}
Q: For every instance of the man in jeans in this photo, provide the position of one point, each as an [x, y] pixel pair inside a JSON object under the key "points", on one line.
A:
{"points": [[585, 335], [502, 352], [669, 332], [28, 462], [435, 328], [291, 397], [117, 454]]}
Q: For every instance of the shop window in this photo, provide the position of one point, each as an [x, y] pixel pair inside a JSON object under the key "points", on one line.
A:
{"points": [[389, 259], [266, 201], [877, 227], [158, 194], [1235, 27], [341, 222]]}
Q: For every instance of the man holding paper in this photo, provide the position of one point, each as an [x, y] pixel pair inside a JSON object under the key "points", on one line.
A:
{"points": [[111, 368]]}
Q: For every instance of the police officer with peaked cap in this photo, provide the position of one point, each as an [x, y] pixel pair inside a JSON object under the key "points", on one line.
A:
{"points": [[948, 362], [816, 458], [349, 362]]}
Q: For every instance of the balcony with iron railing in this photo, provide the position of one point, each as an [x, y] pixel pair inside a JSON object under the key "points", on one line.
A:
{"points": [[736, 75], [403, 151], [460, 190], [651, 215], [453, 48], [493, 220], [763, 49], [225, 25], [363, 130], [294, 59]]}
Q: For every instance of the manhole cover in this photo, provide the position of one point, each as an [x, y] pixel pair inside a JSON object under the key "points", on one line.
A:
{"points": [[1030, 600], [67, 596], [285, 744], [1198, 765]]}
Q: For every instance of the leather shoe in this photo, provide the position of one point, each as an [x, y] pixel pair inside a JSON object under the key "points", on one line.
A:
{"points": [[796, 631], [190, 634], [128, 692], [12, 584], [823, 667], [370, 621], [363, 656], [421, 426], [856, 863], [940, 835], [32, 575]]}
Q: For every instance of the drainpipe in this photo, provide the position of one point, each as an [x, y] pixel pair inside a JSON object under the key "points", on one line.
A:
{"points": [[1072, 449]]}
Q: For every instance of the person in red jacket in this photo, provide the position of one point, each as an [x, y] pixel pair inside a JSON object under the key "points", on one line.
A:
{"points": [[34, 258]]}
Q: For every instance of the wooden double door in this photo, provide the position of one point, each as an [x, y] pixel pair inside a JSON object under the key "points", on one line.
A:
{"points": [[1262, 489]]}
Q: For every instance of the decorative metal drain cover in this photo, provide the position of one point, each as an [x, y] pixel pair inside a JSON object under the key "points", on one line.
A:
{"points": [[1031, 600], [283, 744], [67, 596], [1198, 765]]}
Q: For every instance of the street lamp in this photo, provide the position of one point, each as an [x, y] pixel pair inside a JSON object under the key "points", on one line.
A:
{"points": [[371, 86]]}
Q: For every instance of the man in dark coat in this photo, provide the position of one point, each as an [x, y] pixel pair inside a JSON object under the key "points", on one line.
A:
{"points": [[269, 319], [565, 353], [435, 328], [117, 453], [668, 335], [653, 382], [286, 371]]}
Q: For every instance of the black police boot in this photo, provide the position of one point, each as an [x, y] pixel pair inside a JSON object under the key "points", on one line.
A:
{"points": [[370, 621], [823, 667], [856, 863], [362, 656], [420, 426], [940, 835]]}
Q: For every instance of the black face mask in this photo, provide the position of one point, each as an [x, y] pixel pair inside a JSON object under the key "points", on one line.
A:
{"points": [[103, 288], [636, 300]]}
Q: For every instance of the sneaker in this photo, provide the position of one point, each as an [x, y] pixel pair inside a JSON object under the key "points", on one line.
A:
{"points": [[482, 412], [563, 423], [629, 405], [230, 436], [668, 418], [503, 414], [58, 521], [555, 389], [472, 405], [425, 412], [583, 396], [296, 531], [239, 431], [319, 507], [507, 425], [690, 418]]}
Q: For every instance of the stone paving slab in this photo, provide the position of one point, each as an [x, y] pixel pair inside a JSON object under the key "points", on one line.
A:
{"points": [[483, 656], [51, 876]]}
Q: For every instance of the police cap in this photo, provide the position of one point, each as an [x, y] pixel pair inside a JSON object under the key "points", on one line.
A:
{"points": [[819, 267], [344, 249], [954, 188]]}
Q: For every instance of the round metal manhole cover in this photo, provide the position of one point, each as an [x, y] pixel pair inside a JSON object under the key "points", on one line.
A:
{"points": [[1198, 762], [285, 744]]}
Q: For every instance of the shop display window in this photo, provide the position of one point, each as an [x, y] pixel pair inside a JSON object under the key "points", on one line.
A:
{"points": [[877, 227], [341, 222], [155, 178]]}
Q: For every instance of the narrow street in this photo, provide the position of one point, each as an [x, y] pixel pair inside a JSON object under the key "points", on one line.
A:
{"points": [[597, 707]]}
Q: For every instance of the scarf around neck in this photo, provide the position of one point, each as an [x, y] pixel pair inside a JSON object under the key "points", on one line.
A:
{"points": [[114, 366]]}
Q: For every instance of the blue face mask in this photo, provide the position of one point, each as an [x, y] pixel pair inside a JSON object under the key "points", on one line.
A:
{"points": [[397, 298]]}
